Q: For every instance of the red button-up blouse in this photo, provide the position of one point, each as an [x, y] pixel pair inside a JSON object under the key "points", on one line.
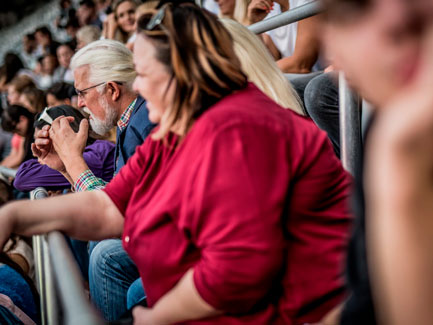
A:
{"points": [[254, 199]]}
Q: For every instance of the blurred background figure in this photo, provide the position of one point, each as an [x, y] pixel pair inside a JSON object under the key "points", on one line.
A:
{"points": [[46, 43], [120, 24], [226, 8], [86, 35], [87, 14], [64, 54], [18, 120], [29, 53], [33, 99], [60, 93]]}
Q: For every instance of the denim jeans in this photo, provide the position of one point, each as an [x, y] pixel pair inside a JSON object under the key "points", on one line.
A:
{"points": [[111, 273], [135, 294], [322, 105]]}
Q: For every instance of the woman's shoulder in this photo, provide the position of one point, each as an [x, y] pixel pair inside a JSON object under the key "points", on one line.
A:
{"points": [[251, 107]]}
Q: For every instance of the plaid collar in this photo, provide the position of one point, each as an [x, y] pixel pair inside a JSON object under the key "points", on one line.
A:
{"points": [[124, 119]]}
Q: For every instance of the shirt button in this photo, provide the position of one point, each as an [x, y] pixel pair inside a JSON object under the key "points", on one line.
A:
{"points": [[127, 239]]}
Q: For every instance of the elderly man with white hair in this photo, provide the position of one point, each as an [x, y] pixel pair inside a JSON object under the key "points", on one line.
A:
{"points": [[103, 73]]}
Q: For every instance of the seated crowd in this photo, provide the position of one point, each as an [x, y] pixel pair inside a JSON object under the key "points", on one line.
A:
{"points": [[194, 167]]}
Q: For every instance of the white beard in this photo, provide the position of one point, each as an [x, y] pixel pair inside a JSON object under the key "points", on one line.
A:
{"points": [[102, 127]]}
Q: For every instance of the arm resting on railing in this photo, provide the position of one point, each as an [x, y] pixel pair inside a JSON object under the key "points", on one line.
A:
{"points": [[86, 216]]}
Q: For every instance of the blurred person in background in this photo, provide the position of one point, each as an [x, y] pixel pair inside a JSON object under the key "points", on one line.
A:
{"points": [[144, 8], [295, 47], [64, 54], [29, 51], [87, 35], [18, 120], [16, 87], [120, 24], [72, 27], [15, 147], [103, 7], [46, 43], [48, 76], [60, 93], [380, 45], [11, 67], [33, 99], [67, 11], [226, 8], [87, 14]]}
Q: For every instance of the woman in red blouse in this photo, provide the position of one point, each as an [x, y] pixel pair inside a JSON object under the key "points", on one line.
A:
{"points": [[235, 210]]}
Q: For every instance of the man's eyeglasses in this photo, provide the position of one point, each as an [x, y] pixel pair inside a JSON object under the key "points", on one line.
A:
{"points": [[82, 93]]}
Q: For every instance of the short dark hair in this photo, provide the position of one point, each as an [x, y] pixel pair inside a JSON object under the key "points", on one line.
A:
{"points": [[30, 36], [87, 3], [341, 11], [11, 116], [61, 110], [62, 90], [44, 30]]}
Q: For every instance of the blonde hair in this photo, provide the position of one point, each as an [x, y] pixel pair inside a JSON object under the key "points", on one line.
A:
{"points": [[121, 35], [240, 12], [88, 34], [108, 60], [260, 68]]}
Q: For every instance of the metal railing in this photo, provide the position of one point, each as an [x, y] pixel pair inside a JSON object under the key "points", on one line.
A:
{"points": [[8, 172], [350, 107], [350, 126], [59, 281], [291, 16]]}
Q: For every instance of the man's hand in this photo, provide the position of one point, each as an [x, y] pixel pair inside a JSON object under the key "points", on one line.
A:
{"points": [[43, 150], [258, 10], [66, 142], [42, 145]]}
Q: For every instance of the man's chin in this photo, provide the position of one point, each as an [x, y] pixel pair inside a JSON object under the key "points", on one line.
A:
{"points": [[99, 129]]}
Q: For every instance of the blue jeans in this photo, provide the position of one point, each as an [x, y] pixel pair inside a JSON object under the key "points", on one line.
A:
{"points": [[111, 274], [135, 294]]}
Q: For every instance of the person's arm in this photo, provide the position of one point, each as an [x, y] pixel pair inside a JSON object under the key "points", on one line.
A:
{"points": [[109, 27], [257, 10], [306, 48], [181, 303], [15, 157], [32, 174], [86, 216]]}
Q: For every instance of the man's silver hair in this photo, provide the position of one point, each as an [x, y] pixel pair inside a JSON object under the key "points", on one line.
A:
{"points": [[107, 60]]}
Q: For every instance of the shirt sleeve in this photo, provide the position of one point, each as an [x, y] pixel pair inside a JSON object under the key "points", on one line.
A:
{"points": [[31, 174], [87, 181], [236, 221], [99, 157]]}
